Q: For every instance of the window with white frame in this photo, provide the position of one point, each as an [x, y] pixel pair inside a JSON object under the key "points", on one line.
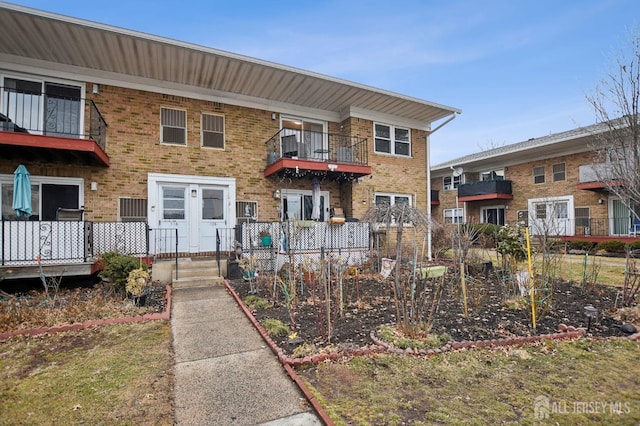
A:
{"points": [[387, 199], [212, 131], [173, 126], [48, 194], [298, 205], [392, 140], [493, 175], [453, 215], [559, 172], [538, 174], [494, 215], [450, 183]]}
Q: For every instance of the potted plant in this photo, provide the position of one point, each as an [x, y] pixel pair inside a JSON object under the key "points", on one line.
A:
{"points": [[265, 238], [249, 265]]}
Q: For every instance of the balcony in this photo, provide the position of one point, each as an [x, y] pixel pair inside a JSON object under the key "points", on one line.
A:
{"points": [[597, 176], [36, 126], [498, 189], [296, 154]]}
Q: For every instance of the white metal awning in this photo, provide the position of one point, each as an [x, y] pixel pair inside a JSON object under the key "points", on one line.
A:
{"points": [[59, 42]]}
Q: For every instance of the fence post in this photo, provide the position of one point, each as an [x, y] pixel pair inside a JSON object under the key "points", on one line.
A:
{"points": [[176, 253]]}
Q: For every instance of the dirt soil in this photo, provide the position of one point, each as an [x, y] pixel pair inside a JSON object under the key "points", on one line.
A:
{"points": [[493, 311]]}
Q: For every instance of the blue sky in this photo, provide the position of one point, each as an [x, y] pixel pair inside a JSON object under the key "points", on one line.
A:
{"points": [[517, 69]]}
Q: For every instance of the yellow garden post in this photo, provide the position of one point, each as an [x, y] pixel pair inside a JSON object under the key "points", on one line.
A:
{"points": [[532, 288]]}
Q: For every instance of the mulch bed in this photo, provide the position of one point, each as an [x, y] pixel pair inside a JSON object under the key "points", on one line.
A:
{"points": [[24, 305], [370, 304]]}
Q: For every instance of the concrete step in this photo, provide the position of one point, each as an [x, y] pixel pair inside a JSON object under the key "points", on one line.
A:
{"points": [[195, 272], [191, 282]]}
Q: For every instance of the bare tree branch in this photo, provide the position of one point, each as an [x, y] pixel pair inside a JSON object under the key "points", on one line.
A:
{"points": [[617, 133]]}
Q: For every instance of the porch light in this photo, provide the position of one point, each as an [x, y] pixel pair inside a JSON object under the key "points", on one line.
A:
{"points": [[276, 194], [591, 312]]}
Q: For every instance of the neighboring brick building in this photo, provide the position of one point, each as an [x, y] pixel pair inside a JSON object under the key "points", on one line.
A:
{"points": [[547, 183], [128, 126]]}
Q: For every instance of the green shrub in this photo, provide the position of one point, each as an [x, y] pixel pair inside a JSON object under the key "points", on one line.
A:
{"points": [[254, 302], [275, 328], [580, 245], [118, 266], [634, 245], [611, 246]]}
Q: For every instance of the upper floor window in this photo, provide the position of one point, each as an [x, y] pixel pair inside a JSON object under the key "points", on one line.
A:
{"points": [[392, 140], [173, 126], [493, 175], [538, 175], [42, 107], [559, 172], [213, 131], [450, 183]]}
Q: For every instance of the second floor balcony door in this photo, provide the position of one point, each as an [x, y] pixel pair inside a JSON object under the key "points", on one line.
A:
{"points": [[310, 134], [42, 107]]}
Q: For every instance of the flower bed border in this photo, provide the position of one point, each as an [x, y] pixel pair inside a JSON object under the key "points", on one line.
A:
{"points": [[156, 316], [379, 346]]}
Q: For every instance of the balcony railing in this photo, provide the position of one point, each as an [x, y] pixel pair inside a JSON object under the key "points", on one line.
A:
{"points": [[586, 227], [38, 113], [317, 146], [486, 189], [597, 172]]}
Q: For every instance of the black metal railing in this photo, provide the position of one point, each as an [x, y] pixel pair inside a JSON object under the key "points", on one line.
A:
{"points": [[482, 187], [586, 227], [29, 111], [317, 146]]}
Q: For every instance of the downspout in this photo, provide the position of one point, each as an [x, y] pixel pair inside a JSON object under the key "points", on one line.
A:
{"points": [[428, 165]]}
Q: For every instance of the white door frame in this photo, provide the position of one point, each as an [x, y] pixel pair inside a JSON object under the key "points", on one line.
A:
{"points": [[552, 225], [193, 214]]}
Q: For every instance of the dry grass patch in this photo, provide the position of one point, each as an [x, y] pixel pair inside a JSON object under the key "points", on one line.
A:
{"points": [[119, 374], [484, 386]]}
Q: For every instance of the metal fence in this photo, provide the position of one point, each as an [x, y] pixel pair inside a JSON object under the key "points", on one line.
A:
{"points": [[272, 244], [25, 243]]}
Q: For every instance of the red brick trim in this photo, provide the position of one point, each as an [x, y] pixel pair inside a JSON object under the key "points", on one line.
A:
{"points": [[158, 316]]}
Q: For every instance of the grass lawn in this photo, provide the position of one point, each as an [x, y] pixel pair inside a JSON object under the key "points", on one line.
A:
{"points": [[580, 382], [116, 375]]}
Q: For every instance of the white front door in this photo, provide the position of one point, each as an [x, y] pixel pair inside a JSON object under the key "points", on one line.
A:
{"points": [[212, 215], [551, 216], [194, 207]]}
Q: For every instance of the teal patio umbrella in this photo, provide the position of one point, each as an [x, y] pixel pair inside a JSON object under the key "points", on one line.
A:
{"points": [[22, 192]]}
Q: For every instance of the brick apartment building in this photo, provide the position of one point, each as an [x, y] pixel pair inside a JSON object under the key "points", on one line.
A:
{"points": [[127, 126], [548, 183]]}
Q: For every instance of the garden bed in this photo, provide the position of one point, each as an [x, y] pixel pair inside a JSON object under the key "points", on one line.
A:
{"points": [[369, 304], [24, 305]]}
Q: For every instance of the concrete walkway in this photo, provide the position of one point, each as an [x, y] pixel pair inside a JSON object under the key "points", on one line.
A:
{"points": [[225, 374]]}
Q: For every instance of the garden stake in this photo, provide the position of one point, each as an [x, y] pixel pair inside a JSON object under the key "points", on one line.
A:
{"points": [[464, 287], [533, 288]]}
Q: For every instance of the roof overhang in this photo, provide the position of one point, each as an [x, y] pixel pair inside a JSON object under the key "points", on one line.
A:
{"points": [[564, 143], [63, 44]]}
